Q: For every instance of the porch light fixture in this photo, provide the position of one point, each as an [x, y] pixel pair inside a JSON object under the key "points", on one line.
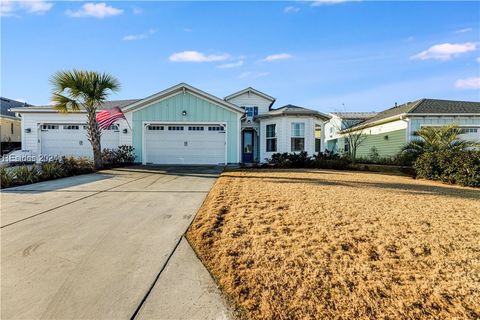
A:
{"points": [[386, 137], [184, 113], [28, 130], [125, 130]]}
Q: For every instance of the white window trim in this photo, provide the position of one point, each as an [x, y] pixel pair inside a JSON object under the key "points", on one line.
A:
{"points": [[271, 138], [292, 136]]}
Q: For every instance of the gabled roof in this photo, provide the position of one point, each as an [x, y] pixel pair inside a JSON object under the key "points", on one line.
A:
{"points": [[446, 107], [252, 90], [7, 104], [291, 110], [132, 104], [355, 115], [185, 88], [122, 104], [424, 107]]}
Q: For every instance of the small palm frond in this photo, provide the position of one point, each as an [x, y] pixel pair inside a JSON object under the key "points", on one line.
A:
{"points": [[88, 89], [415, 147], [64, 104]]}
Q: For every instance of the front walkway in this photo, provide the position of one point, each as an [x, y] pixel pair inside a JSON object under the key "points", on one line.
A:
{"points": [[106, 245]]}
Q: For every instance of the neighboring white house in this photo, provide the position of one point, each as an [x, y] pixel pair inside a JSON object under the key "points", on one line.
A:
{"points": [[181, 125], [333, 139]]}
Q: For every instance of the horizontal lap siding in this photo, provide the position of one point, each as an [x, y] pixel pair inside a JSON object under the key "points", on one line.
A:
{"points": [[198, 110], [417, 123], [385, 147]]}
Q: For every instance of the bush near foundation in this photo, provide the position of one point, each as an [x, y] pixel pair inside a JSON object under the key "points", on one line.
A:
{"points": [[450, 166], [121, 156], [303, 160], [73, 166]]}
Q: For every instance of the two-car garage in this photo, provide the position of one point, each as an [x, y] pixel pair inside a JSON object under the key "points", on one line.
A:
{"points": [[192, 143], [180, 125]]}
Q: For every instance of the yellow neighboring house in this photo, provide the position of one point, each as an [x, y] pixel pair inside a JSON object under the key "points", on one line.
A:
{"points": [[10, 125]]}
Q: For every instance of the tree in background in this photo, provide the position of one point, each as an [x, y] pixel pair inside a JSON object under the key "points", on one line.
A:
{"points": [[353, 138], [78, 89]]}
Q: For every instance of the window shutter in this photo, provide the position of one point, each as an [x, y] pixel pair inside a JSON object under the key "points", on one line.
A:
{"points": [[255, 111]]}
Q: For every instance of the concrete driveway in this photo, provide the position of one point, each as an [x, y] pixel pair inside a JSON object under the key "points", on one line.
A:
{"points": [[102, 246]]}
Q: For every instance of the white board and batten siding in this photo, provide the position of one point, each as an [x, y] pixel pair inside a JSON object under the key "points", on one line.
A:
{"points": [[66, 135], [284, 134]]}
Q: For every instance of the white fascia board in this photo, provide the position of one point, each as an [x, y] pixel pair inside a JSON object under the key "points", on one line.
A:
{"points": [[255, 91]]}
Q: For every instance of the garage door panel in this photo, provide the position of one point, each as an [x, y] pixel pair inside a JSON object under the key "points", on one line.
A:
{"points": [[72, 140], [184, 146]]}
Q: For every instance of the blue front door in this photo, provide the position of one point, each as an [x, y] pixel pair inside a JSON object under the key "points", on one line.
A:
{"points": [[247, 146]]}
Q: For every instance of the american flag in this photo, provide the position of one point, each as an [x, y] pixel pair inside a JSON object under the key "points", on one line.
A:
{"points": [[106, 118]]}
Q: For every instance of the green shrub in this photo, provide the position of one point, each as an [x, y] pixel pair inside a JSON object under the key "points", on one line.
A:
{"points": [[51, 170], [121, 156], [6, 177], [450, 166], [290, 160], [25, 174], [279, 160], [325, 161], [74, 166], [303, 160], [374, 155]]}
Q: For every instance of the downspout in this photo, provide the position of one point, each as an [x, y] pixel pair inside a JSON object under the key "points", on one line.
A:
{"points": [[407, 131]]}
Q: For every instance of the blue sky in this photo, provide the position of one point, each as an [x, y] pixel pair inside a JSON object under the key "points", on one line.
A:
{"points": [[325, 55]]}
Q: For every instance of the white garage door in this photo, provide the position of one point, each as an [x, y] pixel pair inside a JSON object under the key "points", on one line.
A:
{"points": [[185, 144], [72, 140]]}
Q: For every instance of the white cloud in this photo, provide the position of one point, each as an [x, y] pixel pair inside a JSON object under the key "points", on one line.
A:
{"points": [[464, 30], [278, 56], [187, 30], [231, 65], [445, 51], [9, 8], [478, 59], [195, 56], [140, 36], [96, 10], [291, 9], [468, 83], [253, 75], [37, 7]]}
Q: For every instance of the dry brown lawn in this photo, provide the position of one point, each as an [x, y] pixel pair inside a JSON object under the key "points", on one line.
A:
{"points": [[303, 244]]}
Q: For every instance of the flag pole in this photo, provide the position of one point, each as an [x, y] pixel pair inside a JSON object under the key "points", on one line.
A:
{"points": [[128, 124]]}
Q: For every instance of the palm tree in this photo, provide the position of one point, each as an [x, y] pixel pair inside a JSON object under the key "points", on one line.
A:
{"points": [[79, 89], [437, 139]]}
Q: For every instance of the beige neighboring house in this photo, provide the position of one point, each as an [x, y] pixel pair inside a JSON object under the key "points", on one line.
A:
{"points": [[10, 124]]}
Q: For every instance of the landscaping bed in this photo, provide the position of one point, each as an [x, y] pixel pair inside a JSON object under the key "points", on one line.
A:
{"points": [[320, 244]]}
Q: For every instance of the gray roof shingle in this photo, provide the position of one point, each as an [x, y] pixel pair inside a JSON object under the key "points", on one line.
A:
{"points": [[446, 106], [427, 106], [355, 115], [290, 109], [6, 104]]}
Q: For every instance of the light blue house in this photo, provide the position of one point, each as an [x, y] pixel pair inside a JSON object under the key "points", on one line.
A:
{"points": [[182, 125]]}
